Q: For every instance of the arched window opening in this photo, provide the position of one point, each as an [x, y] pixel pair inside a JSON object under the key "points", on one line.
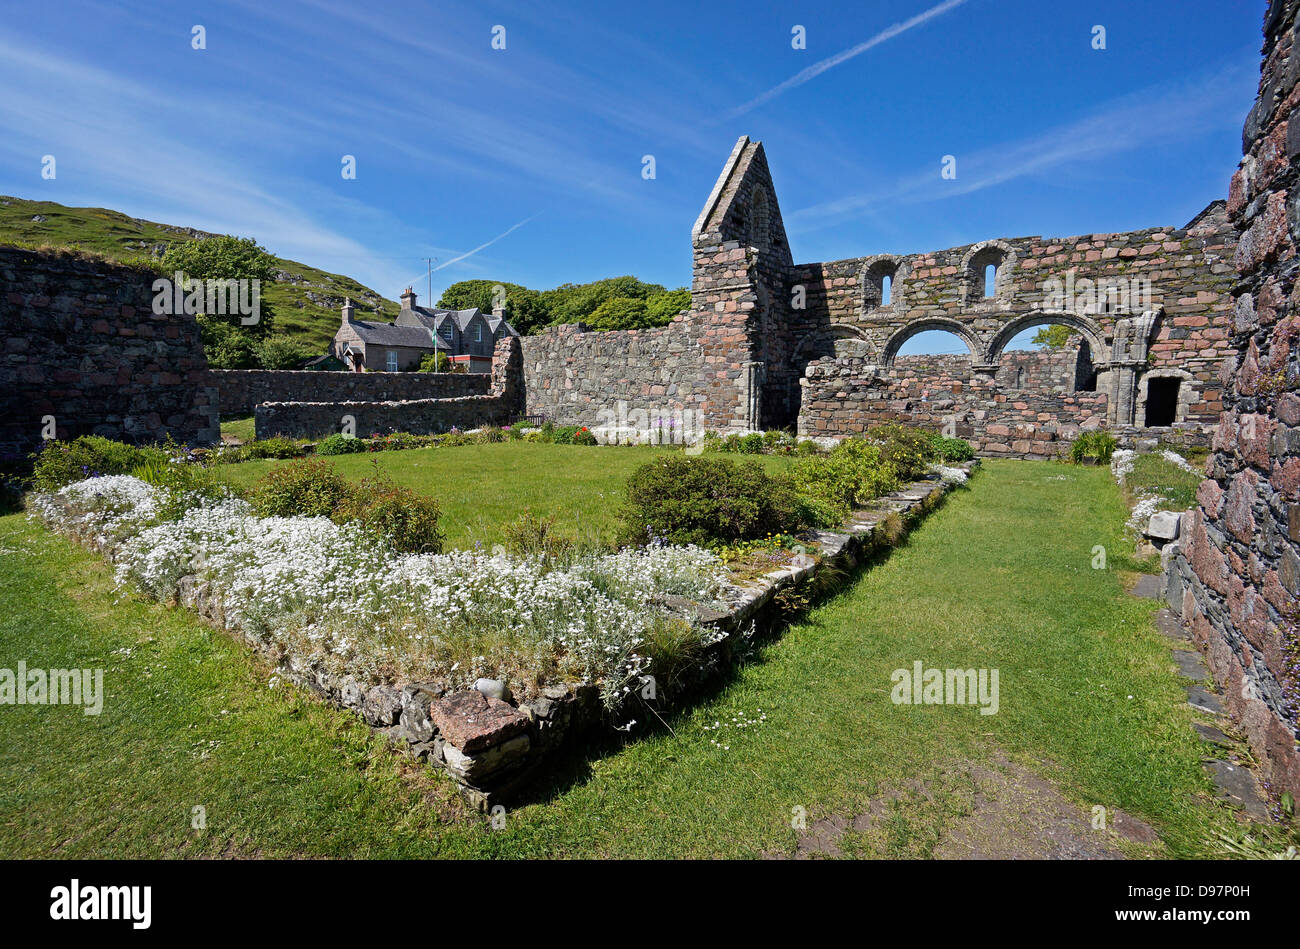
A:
{"points": [[990, 281], [1050, 356], [886, 289]]}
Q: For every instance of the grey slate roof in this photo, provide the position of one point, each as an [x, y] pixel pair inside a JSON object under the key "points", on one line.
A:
{"points": [[386, 334], [436, 319]]}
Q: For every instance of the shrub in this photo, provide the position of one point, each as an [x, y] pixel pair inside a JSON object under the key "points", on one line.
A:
{"points": [[491, 435], [832, 485], [1096, 446], [530, 535], [952, 449], [406, 520], [305, 488], [60, 463], [272, 448], [695, 500], [340, 445], [909, 451], [583, 436], [752, 444]]}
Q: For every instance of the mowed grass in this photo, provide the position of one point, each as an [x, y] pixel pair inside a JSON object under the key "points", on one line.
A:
{"points": [[482, 488], [1000, 577]]}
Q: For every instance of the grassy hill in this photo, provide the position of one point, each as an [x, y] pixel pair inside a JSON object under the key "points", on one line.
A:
{"points": [[306, 300]]}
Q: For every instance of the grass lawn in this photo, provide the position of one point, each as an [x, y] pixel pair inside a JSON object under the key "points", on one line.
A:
{"points": [[240, 428], [1157, 475], [999, 577], [481, 488]]}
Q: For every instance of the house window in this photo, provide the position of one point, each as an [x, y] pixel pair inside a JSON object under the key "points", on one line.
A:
{"points": [[392, 360], [446, 332], [478, 332]]}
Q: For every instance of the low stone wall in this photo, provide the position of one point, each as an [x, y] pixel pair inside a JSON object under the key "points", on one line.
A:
{"points": [[242, 390], [82, 345], [493, 747], [417, 416], [501, 405], [847, 395]]}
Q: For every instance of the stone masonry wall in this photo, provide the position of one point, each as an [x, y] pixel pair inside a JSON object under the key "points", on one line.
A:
{"points": [[1234, 575], [242, 389], [846, 395], [502, 404], [82, 344]]}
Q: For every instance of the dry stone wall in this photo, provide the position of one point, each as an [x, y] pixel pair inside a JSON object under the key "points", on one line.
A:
{"points": [[241, 390], [1234, 575], [82, 345], [501, 405]]}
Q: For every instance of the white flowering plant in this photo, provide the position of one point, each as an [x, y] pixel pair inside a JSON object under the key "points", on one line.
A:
{"points": [[336, 597]]}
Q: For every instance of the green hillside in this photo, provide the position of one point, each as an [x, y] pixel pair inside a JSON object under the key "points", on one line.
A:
{"points": [[306, 300]]}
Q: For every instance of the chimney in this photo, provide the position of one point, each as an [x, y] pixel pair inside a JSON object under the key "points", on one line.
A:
{"points": [[348, 309], [408, 299], [498, 309]]}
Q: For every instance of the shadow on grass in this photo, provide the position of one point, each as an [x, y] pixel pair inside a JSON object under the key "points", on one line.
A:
{"points": [[570, 766]]}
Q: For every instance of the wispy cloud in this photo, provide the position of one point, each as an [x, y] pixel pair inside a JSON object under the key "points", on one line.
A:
{"points": [[816, 69], [1154, 116]]}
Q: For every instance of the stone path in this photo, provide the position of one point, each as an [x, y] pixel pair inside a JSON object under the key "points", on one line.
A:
{"points": [[1225, 759]]}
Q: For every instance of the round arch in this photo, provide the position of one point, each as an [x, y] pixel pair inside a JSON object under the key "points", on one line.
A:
{"points": [[904, 333], [822, 341], [1090, 331]]}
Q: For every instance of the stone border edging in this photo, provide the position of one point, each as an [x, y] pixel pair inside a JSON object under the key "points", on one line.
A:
{"points": [[492, 748]]}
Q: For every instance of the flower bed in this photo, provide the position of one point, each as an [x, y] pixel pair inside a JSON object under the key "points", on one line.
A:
{"points": [[480, 663]]}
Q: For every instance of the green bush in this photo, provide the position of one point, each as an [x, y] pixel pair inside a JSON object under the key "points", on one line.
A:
{"points": [[681, 499], [60, 463], [406, 520], [752, 444], [302, 489], [272, 448], [952, 449], [583, 436], [531, 535], [909, 451], [340, 445], [832, 485], [1094, 446]]}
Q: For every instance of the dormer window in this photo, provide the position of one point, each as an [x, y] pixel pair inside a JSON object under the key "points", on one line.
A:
{"points": [[478, 332]]}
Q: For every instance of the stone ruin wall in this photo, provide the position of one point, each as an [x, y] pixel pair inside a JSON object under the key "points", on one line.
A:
{"points": [[501, 404], [846, 395], [82, 344], [241, 390], [1189, 272], [1234, 574]]}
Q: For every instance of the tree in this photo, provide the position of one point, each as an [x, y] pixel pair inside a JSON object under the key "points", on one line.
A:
{"points": [[664, 306], [230, 344], [1054, 336], [525, 310], [438, 362], [279, 352], [621, 313], [578, 303]]}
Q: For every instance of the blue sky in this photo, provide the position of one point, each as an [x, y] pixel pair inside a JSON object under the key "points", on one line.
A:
{"points": [[524, 164]]}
